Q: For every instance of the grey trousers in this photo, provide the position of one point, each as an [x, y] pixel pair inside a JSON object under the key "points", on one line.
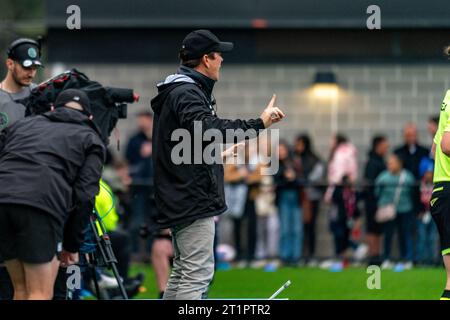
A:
{"points": [[193, 263]]}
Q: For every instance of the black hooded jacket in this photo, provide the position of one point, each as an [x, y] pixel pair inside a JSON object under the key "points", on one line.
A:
{"points": [[53, 162], [187, 191], [375, 165]]}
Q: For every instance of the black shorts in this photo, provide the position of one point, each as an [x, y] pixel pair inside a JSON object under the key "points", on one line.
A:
{"points": [[440, 211], [28, 234]]}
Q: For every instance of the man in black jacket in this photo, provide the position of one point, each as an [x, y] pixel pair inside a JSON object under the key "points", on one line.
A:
{"points": [[189, 195], [50, 166], [411, 154]]}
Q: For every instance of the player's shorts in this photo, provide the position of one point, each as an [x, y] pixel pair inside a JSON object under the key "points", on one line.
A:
{"points": [[28, 234], [440, 211]]}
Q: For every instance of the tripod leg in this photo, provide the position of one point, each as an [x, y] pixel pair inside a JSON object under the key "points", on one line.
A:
{"points": [[94, 275], [119, 280]]}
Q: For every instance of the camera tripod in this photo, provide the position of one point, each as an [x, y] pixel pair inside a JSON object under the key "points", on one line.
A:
{"points": [[102, 256]]}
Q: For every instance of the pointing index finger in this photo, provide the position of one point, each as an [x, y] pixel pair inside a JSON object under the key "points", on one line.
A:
{"points": [[272, 101]]}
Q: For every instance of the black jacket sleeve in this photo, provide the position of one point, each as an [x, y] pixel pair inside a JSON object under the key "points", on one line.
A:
{"points": [[85, 189], [371, 172], [191, 107]]}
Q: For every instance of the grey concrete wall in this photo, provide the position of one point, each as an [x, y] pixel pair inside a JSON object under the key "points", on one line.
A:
{"points": [[373, 99]]}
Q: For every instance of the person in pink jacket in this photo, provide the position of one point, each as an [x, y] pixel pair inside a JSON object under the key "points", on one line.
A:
{"points": [[342, 166], [343, 161]]}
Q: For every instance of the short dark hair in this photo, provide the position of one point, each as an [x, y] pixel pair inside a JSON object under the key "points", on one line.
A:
{"points": [[304, 137], [340, 139], [192, 63], [377, 140]]}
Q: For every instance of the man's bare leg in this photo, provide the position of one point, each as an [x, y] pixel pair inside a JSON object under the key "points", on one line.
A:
{"points": [[40, 279], [17, 274], [447, 268]]}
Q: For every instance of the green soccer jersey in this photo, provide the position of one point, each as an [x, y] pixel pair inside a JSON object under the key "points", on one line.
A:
{"points": [[442, 161]]}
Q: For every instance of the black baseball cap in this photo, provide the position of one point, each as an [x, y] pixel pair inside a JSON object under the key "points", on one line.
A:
{"points": [[74, 95], [200, 42], [25, 51]]}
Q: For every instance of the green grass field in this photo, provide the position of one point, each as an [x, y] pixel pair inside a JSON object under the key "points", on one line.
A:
{"points": [[317, 284]]}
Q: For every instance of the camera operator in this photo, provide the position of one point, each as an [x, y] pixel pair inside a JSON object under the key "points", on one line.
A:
{"points": [[23, 60], [50, 166], [22, 63]]}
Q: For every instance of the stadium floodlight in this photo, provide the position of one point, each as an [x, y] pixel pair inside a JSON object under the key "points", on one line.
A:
{"points": [[325, 87]]}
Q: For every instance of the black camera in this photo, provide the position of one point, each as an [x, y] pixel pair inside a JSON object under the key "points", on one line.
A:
{"points": [[108, 104], [121, 97]]}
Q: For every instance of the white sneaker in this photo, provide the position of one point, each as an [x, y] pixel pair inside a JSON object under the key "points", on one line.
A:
{"points": [[258, 264], [327, 264], [387, 265], [408, 265], [361, 252]]}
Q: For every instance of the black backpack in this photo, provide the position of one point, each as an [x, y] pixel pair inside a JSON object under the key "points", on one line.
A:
{"points": [[108, 104]]}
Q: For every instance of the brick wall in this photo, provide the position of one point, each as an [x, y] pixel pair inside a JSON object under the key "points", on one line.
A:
{"points": [[375, 98]]}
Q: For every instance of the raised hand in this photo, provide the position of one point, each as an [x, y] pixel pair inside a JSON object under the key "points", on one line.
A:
{"points": [[271, 114]]}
